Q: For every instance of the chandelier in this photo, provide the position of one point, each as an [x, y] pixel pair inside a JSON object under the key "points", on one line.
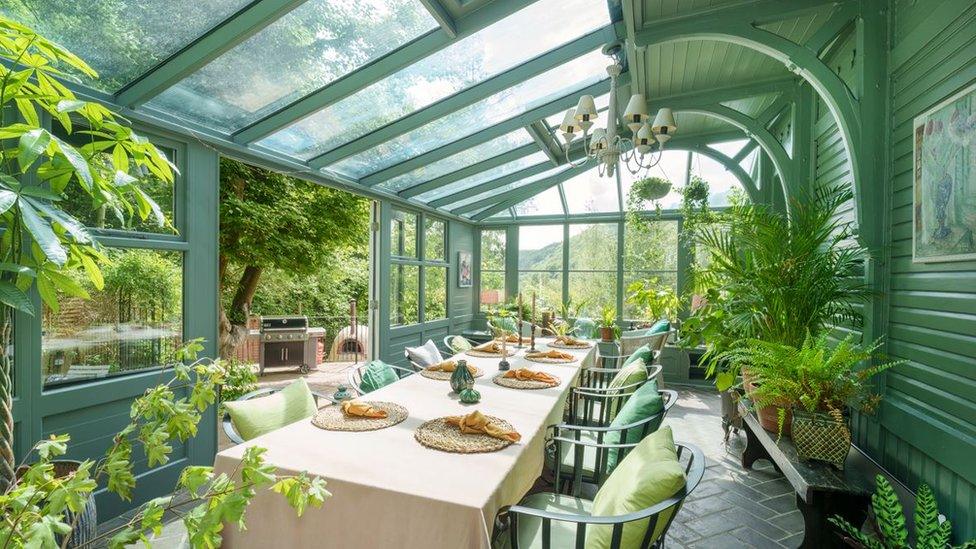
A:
{"points": [[605, 145]]}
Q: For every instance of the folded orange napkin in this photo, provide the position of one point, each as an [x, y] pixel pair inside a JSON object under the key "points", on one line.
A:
{"points": [[511, 338], [551, 354], [569, 340], [490, 347], [361, 409], [525, 374], [476, 423], [449, 366]]}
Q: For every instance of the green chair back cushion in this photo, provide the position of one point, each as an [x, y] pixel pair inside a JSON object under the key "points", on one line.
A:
{"points": [[643, 352], [644, 403], [650, 474], [584, 327], [255, 417], [659, 327], [632, 373], [460, 344], [377, 374]]}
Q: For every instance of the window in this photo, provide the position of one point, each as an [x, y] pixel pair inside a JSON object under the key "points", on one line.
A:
{"points": [[411, 302], [548, 202], [134, 323], [540, 264], [650, 252], [721, 182], [673, 167], [593, 267], [492, 268]]}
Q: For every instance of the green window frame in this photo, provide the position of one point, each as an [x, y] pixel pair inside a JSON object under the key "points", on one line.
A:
{"points": [[419, 268]]}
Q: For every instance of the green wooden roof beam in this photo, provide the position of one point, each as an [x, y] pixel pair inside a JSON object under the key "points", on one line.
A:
{"points": [[766, 117], [377, 70], [465, 97], [526, 192], [502, 128], [236, 29], [839, 20], [741, 155], [544, 140], [442, 16], [468, 171], [731, 165], [724, 94]]}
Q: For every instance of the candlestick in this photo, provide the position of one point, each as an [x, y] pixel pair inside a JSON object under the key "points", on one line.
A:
{"points": [[532, 326], [503, 365], [521, 311]]}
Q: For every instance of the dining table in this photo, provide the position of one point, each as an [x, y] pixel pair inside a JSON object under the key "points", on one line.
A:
{"points": [[388, 490]]}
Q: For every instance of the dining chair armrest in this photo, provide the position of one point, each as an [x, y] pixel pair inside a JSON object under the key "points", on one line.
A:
{"points": [[556, 428], [672, 398], [597, 392]]}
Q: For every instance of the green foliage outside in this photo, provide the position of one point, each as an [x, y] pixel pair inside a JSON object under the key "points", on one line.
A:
{"points": [[295, 243], [890, 529]]}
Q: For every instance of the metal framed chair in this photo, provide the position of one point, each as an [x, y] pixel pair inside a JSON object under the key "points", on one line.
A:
{"points": [[457, 344], [591, 422], [232, 433], [598, 378], [570, 527], [355, 375]]}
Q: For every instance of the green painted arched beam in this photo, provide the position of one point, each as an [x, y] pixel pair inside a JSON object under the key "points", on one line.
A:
{"points": [[800, 60], [758, 132]]}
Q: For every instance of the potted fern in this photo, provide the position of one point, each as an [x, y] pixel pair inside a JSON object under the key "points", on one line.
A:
{"points": [[815, 383]]}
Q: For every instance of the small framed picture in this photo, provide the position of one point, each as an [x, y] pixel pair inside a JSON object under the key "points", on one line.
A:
{"points": [[465, 272]]}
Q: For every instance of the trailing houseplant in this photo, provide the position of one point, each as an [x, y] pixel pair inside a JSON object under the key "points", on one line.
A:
{"points": [[42, 243], [889, 525], [644, 190], [816, 383], [43, 506]]}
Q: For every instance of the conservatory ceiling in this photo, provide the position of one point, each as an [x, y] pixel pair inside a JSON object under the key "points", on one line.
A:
{"points": [[449, 105]]}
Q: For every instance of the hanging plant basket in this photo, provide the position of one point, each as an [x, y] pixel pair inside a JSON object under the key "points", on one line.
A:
{"points": [[650, 188]]}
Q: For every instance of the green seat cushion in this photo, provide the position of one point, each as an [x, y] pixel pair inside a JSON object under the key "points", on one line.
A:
{"points": [[567, 455], [648, 475], [376, 375], [255, 417], [643, 352], [644, 403], [659, 327], [530, 528]]}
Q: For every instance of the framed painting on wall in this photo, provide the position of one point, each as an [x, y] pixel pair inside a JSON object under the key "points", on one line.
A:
{"points": [[465, 279], [944, 186]]}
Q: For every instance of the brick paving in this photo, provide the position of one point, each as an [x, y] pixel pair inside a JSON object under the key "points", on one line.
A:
{"points": [[731, 507]]}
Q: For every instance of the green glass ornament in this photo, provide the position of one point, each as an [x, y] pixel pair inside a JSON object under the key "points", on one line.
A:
{"points": [[461, 377], [470, 396]]}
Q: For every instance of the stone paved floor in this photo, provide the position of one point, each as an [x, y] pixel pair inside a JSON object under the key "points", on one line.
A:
{"points": [[730, 508]]}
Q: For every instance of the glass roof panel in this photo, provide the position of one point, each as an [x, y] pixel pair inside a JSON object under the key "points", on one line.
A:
{"points": [[590, 193], [509, 103], [315, 44], [118, 39], [545, 203], [455, 162], [504, 214], [500, 191], [485, 176], [729, 148], [602, 105], [488, 52], [673, 167]]}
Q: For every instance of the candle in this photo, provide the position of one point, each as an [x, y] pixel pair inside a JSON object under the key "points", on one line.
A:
{"points": [[532, 324]]}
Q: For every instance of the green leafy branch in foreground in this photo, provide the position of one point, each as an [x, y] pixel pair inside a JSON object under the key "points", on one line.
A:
{"points": [[42, 507], [890, 528]]}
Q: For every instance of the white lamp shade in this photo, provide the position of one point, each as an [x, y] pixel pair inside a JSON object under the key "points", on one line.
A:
{"points": [[636, 111], [644, 136], [569, 122], [664, 122], [586, 108], [597, 140]]}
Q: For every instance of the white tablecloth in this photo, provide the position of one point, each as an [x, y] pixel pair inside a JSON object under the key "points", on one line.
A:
{"points": [[388, 490]]}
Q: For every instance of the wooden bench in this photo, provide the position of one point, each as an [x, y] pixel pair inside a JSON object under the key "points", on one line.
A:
{"points": [[821, 490]]}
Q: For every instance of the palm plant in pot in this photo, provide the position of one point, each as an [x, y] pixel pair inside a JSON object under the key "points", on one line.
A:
{"points": [[817, 384]]}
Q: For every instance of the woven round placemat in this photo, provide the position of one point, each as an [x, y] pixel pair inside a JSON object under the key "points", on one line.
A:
{"points": [[513, 383], [446, 376], [331, 418], [441, 435], [556, 345], [482, 354], [551, 360]]}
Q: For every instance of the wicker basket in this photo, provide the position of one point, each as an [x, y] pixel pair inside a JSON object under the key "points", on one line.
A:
{"points": [[821, 437]]}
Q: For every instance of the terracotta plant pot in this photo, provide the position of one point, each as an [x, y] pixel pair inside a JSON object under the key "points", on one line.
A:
{"points": [[768, 415], [606, 334]]}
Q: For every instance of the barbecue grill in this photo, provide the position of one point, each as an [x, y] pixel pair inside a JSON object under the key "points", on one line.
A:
{"points": [[285, 342]]}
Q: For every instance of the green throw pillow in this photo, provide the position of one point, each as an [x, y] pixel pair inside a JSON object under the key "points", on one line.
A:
{"points": [[644, 403], [643, 352], [648, 475], [255, 417], [632, 373], [376, 375], [659, 327]]}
